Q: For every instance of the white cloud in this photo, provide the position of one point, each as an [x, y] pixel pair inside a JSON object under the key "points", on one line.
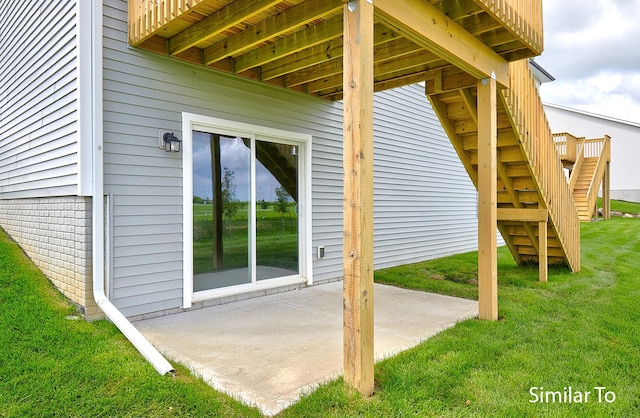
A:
{"points": [[590, 48]]}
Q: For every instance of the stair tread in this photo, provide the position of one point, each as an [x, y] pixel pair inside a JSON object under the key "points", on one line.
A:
{"points": [[515, 165]]}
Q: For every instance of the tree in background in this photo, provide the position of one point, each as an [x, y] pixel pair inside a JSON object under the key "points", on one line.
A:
{"points": [[281, 204], [229, 202]]}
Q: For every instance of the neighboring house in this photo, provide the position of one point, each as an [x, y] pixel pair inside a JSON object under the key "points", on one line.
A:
{"points": [[84, 116], [625, 144]]}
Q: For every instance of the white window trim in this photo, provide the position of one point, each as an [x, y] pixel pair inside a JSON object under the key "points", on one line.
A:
{"points": [[191, 122]]}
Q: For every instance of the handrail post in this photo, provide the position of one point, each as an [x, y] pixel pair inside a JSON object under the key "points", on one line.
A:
{"points": [[544, 160], [543, 263]]}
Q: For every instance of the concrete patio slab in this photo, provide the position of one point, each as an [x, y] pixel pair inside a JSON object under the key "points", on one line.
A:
{"points": [[270, 350]]}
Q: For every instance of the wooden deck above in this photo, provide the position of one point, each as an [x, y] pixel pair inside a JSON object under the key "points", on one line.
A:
{"points": [[297, 44]]}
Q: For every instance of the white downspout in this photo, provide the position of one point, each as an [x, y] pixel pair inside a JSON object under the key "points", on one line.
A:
{"points": [[89, 20]]}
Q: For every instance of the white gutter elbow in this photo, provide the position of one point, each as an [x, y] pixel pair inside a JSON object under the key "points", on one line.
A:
{"points": [[89, 21], [145, 348]]}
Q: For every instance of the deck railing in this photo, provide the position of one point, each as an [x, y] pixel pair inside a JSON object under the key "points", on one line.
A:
{"points": [[601, 149], [527, 115], [148, 16], [595, 148], [566, 144], [522, 17], [577, 166]]}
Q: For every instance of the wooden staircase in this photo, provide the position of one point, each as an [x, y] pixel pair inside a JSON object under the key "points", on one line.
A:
{"points": [[581, 188], [591, 170], [532, 190]]}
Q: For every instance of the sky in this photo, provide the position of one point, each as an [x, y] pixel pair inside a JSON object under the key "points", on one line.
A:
{"points": [[235, 156], [592, 49]]}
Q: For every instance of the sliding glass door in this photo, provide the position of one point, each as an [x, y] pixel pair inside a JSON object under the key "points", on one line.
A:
{"points": [[247, 194], [221, 199], [277, 237]]}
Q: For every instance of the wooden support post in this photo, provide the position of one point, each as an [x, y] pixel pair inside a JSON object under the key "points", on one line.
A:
{"points": [[543, 262], [358, 195], [487, 200]]}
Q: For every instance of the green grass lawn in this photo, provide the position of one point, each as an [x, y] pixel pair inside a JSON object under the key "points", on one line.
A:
{"points": [[622, 206], [276, 239], [580, 330], [51, 366]]}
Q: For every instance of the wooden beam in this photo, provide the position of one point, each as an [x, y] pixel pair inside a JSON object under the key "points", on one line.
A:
{"points": [[299, 41], [386, 81], [459, 9], [392, 55], [216, 23], [390, 61], [531, 254], [512, 155], [523, 215], [543, 261], [483, 24], [286, 21], [305, 58], [428, 27], [523, 197], [315, 55], [407, 76], [487, 198], [507, 182], [358, 196], [449, 79]]}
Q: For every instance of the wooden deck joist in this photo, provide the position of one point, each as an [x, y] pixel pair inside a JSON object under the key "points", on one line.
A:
{"points": [[523, 215], [297, 44]]}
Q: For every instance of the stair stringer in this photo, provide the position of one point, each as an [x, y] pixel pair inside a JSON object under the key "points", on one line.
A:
{"points": [[520, 185], [526, 112]]}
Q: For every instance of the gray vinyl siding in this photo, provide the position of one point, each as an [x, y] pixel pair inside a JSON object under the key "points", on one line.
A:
{"points": [[144, 92], [424, 201], [38, 92], [425, 204]]}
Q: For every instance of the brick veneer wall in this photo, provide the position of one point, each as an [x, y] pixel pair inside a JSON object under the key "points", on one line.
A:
{"points": [[55, 233]]}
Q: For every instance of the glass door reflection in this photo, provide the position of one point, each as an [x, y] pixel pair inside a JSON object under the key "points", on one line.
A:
{"points": [[277, 237], [221, 215]]}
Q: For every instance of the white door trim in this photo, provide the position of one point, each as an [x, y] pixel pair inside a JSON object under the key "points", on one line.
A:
{"points": [[191, 122]]}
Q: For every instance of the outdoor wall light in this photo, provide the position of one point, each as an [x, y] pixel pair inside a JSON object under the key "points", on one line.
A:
{"points": [[169, 141]]}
